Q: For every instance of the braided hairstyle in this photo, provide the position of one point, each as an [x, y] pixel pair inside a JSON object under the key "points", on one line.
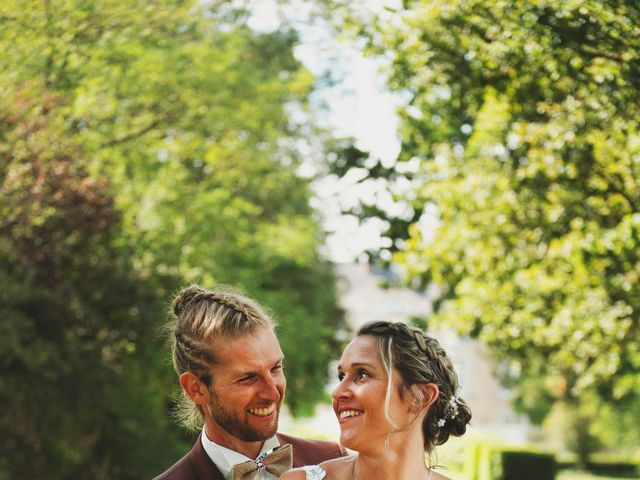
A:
{"points": [[202, 315], [420, 359]]}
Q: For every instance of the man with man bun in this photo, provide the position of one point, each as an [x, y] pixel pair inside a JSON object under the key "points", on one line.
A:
{"points": [[229, 365]]}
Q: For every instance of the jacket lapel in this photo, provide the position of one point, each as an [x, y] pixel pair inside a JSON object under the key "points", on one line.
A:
{"points": [[207, 470]]}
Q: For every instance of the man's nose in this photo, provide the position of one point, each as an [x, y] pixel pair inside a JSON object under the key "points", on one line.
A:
{"points": [[272, 389]]}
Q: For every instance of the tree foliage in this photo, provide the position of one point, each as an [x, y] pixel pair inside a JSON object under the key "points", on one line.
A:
{"points": [[76, 365], [523, 118], [143, 146]]}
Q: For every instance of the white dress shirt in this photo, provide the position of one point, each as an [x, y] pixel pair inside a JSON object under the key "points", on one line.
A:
{"points": [[225, 458]]}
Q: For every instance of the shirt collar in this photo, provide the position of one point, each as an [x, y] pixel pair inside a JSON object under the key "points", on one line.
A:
{"points": [[225, 458]]}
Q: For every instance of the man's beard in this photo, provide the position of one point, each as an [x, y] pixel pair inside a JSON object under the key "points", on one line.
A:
{"points": [[237, 426]]}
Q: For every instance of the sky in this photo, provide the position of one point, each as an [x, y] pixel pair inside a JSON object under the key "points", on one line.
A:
{"points": [[358, 107]]}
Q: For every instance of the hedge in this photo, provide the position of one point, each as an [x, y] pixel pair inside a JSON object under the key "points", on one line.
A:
{"points": [[611, 469], [507, 463]]}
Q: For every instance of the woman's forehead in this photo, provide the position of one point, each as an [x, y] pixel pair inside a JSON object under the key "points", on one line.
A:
{"points": [[361, 349]]}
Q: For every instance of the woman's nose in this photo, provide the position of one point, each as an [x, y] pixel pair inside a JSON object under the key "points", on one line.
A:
{"points": [[341, 391]]}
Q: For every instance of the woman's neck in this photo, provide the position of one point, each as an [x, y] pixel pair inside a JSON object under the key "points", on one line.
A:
{"points": [[395, 461]]}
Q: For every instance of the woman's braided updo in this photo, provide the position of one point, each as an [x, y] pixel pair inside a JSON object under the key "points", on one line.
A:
{"points": [[420, 359], [201, 315]]}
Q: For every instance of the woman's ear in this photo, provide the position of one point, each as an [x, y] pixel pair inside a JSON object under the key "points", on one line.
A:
{"points": [[430, 394], [194, 388], [423, 395]]}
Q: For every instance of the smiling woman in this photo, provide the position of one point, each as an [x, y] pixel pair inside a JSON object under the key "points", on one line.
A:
{"points": [[397, 399], [361, 392]]}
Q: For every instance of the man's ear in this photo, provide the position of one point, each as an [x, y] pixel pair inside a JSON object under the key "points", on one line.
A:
{"points": [[194, 388]]}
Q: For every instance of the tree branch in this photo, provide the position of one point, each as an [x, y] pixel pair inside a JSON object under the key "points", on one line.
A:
{"points": [[132, 136]]}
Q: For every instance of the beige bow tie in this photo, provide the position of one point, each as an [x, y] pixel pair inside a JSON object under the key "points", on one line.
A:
{"points": [[277, 462]]}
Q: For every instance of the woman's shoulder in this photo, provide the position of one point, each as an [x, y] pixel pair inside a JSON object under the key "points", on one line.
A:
{"points": [[294, 474], [436, 476], [309, 472], [330, 469], [339, 467]]}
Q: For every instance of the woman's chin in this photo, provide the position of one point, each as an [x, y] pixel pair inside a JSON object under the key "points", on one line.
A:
{"points": [[348, 440]]}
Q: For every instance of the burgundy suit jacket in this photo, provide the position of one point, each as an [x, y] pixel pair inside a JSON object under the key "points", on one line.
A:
{"points": [[196, 465]]}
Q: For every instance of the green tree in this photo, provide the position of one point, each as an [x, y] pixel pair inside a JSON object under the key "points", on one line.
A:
{"points": [[523, 118], [189, 114], [76, 375]]}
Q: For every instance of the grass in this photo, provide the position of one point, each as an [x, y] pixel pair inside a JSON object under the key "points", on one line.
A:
{"points": [[581, 475], [563, 475]]}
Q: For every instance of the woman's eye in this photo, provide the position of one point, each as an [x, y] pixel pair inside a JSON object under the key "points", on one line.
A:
{"points": [[340, 376], [362, 374]]}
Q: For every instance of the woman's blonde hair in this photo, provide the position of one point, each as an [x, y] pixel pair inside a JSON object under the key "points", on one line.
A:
{"points": [[419, 359]]}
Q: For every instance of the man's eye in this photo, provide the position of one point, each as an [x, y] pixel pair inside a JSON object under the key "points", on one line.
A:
{"points": [[277, 367], [340, 376]]}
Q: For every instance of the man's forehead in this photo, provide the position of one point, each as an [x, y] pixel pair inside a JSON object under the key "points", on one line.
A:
{"points": [[244, 365], [254, 350]]}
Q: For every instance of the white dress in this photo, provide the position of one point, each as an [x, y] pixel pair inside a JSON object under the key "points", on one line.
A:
{"points": [[314, 472]]}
